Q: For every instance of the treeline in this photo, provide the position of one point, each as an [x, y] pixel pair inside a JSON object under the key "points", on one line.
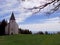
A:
{"points": [[46, 33], [42, 33]]}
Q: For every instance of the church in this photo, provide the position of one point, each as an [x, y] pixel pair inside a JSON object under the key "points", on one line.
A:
{"points": [[12, 26]]}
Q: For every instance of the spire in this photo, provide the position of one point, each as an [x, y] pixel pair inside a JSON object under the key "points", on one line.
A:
{"points": [[12, 16]]}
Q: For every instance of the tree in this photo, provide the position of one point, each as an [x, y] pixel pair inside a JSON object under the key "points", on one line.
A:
{"points": [[26, 31], [2, 27], [54, 3], [40, 32], [58, 32], [46, 32]]}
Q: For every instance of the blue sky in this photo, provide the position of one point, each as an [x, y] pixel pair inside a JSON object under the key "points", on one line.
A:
{"points": [[26, 19]]}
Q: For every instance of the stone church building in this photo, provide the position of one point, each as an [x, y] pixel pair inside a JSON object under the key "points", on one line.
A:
{"points": [[12, 26]]}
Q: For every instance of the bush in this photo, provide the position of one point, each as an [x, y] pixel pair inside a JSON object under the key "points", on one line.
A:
{"points": [[26, 31], [46, 32], [40, 32]]}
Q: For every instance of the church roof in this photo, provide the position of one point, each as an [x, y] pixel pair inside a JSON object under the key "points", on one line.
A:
{"points": [[12, 16]]}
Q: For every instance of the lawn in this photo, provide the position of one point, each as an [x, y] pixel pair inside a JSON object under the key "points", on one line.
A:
{"points": [[29, 39]]}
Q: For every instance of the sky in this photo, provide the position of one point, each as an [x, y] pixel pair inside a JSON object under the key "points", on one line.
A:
{"points": [[27, 19]]}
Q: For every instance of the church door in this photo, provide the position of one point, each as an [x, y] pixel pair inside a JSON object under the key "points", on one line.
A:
{"points": [[12, 33]]}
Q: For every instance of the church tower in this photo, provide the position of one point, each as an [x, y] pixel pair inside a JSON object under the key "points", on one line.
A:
{"points": [[12, 27]]}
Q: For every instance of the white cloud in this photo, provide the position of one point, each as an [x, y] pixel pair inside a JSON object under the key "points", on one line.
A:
{"points": [[22, 16], [46, 26], [16, 6], [53, 20], [33, 3]]}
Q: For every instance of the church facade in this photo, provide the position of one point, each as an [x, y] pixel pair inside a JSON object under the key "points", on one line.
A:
{"points": [[12, 26]]}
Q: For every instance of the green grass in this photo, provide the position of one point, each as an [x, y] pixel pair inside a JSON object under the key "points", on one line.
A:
{"points": [[30, 40]]}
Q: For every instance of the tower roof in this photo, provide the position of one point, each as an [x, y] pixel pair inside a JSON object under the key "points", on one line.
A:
{"points": [[12, 16]]}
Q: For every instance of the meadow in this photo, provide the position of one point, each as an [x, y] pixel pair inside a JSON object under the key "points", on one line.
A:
{"points": [[29, 39]]}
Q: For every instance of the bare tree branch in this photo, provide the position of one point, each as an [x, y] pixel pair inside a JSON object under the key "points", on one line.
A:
{"points": [[46, 4]]}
